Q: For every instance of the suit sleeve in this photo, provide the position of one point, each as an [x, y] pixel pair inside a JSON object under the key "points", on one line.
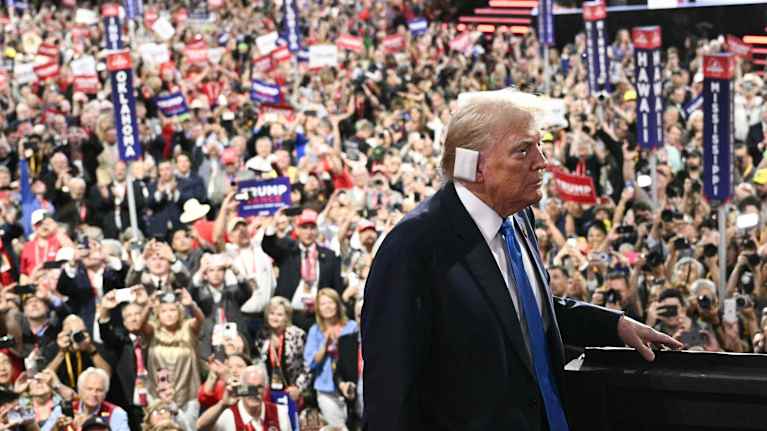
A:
{"points": [[583, 324], [395, 320]]}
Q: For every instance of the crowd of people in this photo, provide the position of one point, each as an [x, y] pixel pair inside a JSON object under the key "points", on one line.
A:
{"points": [[203, 319]]}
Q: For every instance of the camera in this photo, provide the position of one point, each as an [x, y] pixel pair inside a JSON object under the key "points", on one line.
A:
{"points": [[67, 409], [753, 259], [168, 298], [612, 296], [247, 391], [78, 337], [681, 243], [7, 342], [704, 302], [653, 259], [742, 301]]}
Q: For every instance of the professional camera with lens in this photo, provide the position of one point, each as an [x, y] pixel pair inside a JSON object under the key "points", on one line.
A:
{"points": [[78, 337], [704, 302], [247, 391]]}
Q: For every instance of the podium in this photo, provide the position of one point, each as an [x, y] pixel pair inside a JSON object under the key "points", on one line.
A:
{"points": [[615, 389]]}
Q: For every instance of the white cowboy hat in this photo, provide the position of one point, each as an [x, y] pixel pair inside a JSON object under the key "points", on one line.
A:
{"points": [[193, 210]]}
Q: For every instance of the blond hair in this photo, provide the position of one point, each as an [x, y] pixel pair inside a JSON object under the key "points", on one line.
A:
{"points": [[340, 309], [278, 301]]}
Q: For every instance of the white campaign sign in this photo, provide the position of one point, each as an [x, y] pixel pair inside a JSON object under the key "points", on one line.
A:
{"points": [[154, 53], [267, 42], [23, 73], [323, 55], [163, 28], [86, 16], [85, 65]]}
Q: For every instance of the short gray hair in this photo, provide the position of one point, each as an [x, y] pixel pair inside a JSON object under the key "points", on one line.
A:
{"points": [[93, 371], [700, 284], [257, 367]]}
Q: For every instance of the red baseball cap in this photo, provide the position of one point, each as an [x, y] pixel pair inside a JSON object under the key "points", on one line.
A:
{"points": [[307, 217], [365, 225], [229, 156]]}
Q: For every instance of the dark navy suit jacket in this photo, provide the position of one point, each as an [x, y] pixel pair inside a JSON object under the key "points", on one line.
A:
{"points": [[442, 343]]}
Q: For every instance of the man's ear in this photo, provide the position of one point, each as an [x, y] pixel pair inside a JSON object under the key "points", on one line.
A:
{"points": [[480, 178]]}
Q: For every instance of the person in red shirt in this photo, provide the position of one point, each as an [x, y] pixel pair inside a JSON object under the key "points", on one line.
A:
{"points": [[45, 244]]}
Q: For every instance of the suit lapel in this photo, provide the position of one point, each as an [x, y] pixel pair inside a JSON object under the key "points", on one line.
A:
{"points": [[481, 264]]}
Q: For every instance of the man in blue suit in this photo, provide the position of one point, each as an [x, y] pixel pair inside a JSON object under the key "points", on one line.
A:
{"points": [[460, 330]]}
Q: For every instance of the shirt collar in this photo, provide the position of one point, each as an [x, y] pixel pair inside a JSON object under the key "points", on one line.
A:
{"points": [[487, 220], [246, 417]]}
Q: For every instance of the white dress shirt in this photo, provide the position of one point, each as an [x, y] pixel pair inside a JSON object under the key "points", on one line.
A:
{"points": [[489, 224]]}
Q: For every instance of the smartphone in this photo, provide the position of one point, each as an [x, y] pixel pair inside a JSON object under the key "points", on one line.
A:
{"points": [[219, 353], [292, 211], [644, 180], [25, 289], [123, 295], [692, 338], [667, 311], [230, 330], [747, 221]]}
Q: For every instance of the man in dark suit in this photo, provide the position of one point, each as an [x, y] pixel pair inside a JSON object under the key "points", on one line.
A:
{"points": [[127, 350], [304, 267], [460, 330]]}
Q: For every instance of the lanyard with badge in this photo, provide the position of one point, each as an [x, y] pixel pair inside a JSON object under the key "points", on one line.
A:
{"points": [[275, 358]]}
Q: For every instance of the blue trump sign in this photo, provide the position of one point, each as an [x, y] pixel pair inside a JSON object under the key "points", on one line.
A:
{"points": [[262, 197]]}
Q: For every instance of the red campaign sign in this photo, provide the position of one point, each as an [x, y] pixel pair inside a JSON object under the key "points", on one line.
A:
{"points": [[594, 11], [88, 84], [460, 42], [119, 61], [110, 9], [393, 43], [737, 47], [196, 53], [280, 55], [48, 50], [352, 43], [263, 63], [46, 71], [574, 188], [719, 66], [150, 16], [215, 4], [646, 37]]}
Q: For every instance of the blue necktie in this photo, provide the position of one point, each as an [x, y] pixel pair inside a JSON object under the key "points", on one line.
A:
{"points": [[536, 336]]}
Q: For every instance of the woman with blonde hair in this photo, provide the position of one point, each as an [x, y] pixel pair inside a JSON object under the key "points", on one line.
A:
{"points": [[173, 347], [281, 346], [321, 353]]}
